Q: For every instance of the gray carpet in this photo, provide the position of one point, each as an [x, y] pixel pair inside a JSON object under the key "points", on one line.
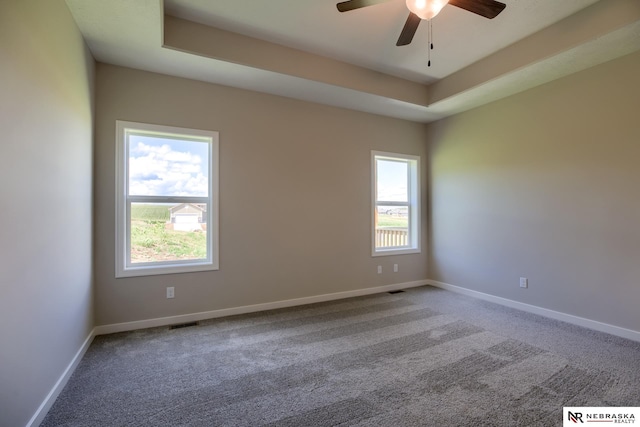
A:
{"points": [[425, 357]]}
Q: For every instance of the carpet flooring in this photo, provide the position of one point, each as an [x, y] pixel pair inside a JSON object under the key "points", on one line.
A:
{"points": [[424, 357]]}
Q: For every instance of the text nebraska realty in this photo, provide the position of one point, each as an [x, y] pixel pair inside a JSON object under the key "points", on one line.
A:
{"points": [[614, 418]]}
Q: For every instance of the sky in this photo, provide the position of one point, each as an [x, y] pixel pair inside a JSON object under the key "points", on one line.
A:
{"points": [[392, 181], [167, 167]]}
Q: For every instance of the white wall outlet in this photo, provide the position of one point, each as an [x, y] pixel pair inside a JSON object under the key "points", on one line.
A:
{"points": [[379, 269], [395, 268], [524, 282], [171, 292]]}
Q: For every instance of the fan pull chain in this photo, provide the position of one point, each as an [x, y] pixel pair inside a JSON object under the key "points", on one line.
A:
{"points": [[430, 31]]}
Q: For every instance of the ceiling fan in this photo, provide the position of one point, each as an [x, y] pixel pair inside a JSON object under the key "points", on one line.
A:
{"points": [[427, 9]]}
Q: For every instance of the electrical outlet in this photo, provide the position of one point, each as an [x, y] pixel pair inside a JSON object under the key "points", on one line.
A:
{"points": [[395, 268], [171, 292], [524, 282], [379, 269]]}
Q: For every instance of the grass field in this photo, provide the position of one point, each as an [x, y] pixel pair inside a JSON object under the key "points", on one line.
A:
{"points": [[159, 212], [392, 221], [151, 241]]}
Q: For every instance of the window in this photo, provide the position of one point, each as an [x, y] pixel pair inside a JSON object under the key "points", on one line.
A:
{"points": [[166, 200], [396, 207]]}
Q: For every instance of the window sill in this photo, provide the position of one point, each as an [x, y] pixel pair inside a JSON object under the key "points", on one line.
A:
{"points": [[389, 252], [154, 270]]}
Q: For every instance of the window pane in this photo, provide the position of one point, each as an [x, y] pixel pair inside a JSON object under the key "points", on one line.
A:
{"points": [[391, 226], [395, 204], [162, 166], [168, 232], [392, 181]]}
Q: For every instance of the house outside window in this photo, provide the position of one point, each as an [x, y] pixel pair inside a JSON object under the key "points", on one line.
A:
{"points": [[395, 203], [188, 217], [166, 200]]}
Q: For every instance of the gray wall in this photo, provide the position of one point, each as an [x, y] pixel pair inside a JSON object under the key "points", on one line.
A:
{"points": [[46, 79], [294, 196], [546, 185]]}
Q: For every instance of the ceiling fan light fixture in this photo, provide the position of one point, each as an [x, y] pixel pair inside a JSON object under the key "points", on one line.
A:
{"points": [[426, 9]]}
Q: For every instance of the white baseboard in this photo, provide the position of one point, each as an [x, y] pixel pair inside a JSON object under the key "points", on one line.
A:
{"points": [[194, 317], [569, 318], [38, 417]]}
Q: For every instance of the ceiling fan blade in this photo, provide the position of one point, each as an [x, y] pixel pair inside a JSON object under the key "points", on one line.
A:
{"points": [[346, 6], [487, 8], [409, 29]]}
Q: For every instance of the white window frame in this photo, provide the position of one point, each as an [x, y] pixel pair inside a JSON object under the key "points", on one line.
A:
{"points": [[413, 204], [124, 267]]}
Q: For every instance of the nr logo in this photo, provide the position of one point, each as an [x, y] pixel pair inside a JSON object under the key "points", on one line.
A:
{"points": [[575, 417]]}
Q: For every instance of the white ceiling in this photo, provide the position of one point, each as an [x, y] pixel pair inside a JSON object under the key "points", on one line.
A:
{"points": [[367, 36], [476, 60]]}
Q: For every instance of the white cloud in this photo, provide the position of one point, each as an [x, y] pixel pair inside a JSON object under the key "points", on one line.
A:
{"points": [[159, 170]]}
